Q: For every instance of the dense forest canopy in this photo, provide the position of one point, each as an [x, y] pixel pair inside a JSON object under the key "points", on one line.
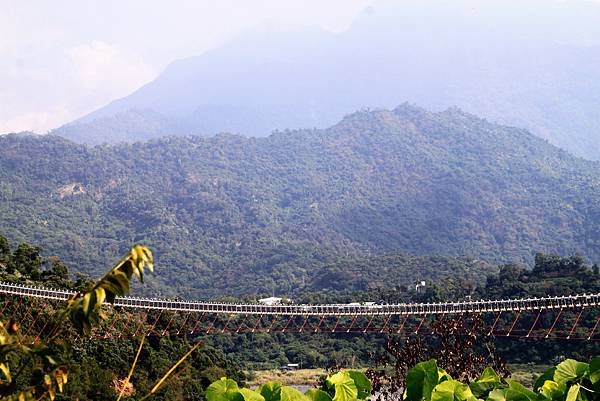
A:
{"points": [[231, 215]]}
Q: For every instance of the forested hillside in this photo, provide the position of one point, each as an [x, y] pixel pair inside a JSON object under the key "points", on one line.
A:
{"points": [[231, 215]]}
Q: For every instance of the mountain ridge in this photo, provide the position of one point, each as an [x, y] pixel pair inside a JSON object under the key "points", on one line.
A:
{"points": [[514, 71], [234, 215]]}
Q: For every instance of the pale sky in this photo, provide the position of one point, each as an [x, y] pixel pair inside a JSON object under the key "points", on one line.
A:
{"points": [[62, 59]]}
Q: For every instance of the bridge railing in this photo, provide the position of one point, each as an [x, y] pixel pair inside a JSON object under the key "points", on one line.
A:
{"points": [[478, 306]]}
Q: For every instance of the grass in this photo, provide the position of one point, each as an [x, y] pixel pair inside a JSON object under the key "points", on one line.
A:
{"points": [[298, 377], [523, 373], [526, 373]]}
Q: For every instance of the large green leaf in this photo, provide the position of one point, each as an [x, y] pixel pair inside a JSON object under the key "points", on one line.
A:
{"points": [[574, 393], [547, 375], [498, 394], [443, 375], [595, 370], [222, 390], [517, 392], [444, 391], [271, 391], [314, 394], [552, 390], [486, 382], [362, 382], [569, 370], [421, 380], [344, 386], [451, 390], [291, 394], [489, 375], [463, 392], [250, 395]]}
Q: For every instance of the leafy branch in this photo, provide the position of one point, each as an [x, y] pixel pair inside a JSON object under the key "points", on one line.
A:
{"points": [[84, 311], [84, 308]]}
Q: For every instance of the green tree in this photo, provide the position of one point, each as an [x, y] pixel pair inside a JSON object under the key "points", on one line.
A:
{"points": [[4, 247], [4, 253], [27, 260], [58, 268]]}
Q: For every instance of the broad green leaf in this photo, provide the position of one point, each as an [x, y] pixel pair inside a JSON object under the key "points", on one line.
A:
{"points": [[463, 392], [250, 395], [451, 390], [547, 375], [497, 395], [595, 370], [444, 391], [362, 382], [486, 382], [222, 390], [552, 390], [569, 370], [291, 394], [271, 391], [517, 392], [573, 394], [345, 388], [421, 380], [314, 394], [443, 375], [489, 376]]}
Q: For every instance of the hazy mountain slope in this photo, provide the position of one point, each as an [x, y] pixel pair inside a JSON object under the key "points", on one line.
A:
{"points": [[230, 214], [489, 58], [133, 123]]}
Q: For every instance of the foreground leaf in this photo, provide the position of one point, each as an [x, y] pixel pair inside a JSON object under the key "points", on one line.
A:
{"points": [[573, 394], [594, 370], [83, 309], [570, 370], [451, 390], [271, 391], [547, 375], [552, 390], [222, 390], [421, 380], [362, 382], [344, 386], [488, 380], [517, 392], [250, 395], [291, 394], [314, 394]]}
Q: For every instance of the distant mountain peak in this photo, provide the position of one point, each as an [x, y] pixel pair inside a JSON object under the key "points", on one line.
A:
{"points": [[488, 58]]}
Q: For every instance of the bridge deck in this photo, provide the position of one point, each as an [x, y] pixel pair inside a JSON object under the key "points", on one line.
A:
{"points": [[404, 309]]}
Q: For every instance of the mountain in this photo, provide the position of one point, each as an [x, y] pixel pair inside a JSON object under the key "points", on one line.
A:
{"points": [[236, 215], [489, 58], [139, 124]]}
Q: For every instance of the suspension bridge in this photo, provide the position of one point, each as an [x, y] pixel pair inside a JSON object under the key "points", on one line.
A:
{"points": [[573, 317]]}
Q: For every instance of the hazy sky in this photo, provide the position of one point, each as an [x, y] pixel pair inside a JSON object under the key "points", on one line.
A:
{"points": [[62, 59]]}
